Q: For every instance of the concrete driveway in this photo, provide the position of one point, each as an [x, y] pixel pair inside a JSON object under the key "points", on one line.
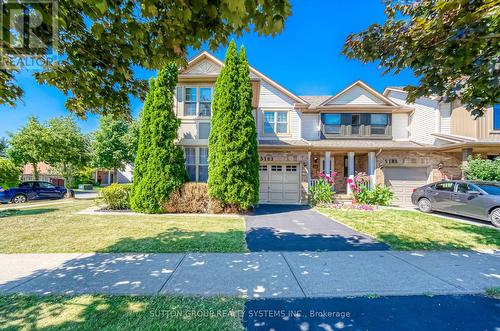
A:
{"points": [[299, 228]]}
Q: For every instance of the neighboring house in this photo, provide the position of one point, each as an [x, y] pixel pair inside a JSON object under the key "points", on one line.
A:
{"points": [[45, 173], [104, 177], [356, 130]]}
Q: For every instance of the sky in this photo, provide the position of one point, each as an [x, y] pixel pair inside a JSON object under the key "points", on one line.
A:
{"points": [[305, 58]]}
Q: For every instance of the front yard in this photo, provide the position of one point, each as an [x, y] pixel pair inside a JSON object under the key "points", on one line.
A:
{"points": [[409, 230], [99, 312], [58, 228]]}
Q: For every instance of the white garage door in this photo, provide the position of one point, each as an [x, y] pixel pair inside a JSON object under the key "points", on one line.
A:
{"points": [[279, 183], [402, 182]]}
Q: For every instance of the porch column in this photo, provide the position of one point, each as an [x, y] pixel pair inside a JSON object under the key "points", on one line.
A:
{"points": [[350, 170], [371, 168], [308, 171], [328, 168]]}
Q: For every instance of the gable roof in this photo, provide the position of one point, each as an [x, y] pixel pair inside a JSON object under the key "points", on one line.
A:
{"points": [[208, 56], [360, 84]]}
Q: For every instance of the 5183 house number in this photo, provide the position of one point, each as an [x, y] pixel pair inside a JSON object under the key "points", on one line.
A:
{"points": [[266, 158]]}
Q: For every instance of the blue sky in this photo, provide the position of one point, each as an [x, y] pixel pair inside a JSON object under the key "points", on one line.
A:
{"points": [[305, 58]]}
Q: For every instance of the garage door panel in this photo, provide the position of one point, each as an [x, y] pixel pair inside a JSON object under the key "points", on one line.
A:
{"points": [[402, 181], [279, 183]]}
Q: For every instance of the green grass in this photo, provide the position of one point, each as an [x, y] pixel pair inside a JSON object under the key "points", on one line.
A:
{"points": [[97, 312], [493, 292], [57, 228], [408, 230]]}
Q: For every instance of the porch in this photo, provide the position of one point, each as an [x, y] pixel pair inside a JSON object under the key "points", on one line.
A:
{"points": [[345, 164]]}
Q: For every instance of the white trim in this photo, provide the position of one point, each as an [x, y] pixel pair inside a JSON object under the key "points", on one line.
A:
{"points": [[363, 85]]}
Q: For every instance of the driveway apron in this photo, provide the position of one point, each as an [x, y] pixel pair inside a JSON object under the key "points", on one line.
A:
{"points": [[299, 228]]}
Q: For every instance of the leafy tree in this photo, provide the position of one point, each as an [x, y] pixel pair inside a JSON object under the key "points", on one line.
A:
{"points": [[3, 147], [111, 148], [29, 145], [159, 165], [481, 169], [68, 148], [452, 45], [100, 42], [233, 159], [9, 174]]}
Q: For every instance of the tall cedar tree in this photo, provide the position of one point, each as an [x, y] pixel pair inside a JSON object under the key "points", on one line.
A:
{"points": [[233, 159], [159, 165]]}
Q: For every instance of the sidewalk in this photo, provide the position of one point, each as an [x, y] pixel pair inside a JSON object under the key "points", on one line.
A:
{"points": [[252, 275]]}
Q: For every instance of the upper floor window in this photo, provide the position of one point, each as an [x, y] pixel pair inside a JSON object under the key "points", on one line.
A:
{"points": [[496, 117], [379, 123], [275, 122], [351, 124], [198, 101]]}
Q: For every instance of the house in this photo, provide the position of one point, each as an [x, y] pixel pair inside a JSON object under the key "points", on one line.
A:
{"points": [[45, 173], [104, 177], [358, 129]]}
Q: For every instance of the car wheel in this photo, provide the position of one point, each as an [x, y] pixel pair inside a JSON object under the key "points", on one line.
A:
{"points": [[19, 198], [425, 205], [495, 217]]}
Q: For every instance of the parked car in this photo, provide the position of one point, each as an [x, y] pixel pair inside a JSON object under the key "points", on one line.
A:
{"points": [[33, 190], [466, 198]]}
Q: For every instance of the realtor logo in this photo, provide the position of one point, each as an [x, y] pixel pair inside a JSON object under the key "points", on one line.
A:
{"points": [[29, 33]]}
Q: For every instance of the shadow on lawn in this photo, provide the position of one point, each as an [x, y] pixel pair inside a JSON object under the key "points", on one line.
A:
{"points": [[176, 240], [25, 212]]}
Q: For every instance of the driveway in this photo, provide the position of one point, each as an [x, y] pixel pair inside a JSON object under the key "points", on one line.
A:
{"points": [[299, 228]]}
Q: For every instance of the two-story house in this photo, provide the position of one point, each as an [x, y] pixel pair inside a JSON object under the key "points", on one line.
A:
{"points": [[356, 130]]}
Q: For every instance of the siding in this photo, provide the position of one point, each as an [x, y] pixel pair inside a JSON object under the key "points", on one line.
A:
{"points": [[310, 127], [445, 118], [356, 95], [400, 127], [425, 119], [295, 124], [463, 124], [271, 97]]}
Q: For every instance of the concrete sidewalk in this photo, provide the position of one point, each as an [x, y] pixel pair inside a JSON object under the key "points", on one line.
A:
{"points": [[252, 275]]}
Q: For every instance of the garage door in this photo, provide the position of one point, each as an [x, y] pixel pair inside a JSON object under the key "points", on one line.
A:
{"points": [[279, 183], [402, 182]]}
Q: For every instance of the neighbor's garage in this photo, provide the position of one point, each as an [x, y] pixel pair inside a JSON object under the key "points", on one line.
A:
{"points": [[279, 183], [403, 180]]}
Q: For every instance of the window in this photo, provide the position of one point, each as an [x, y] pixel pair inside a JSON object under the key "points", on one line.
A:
{"points": [[203, 130], [291, 168], [263, 168], [205, 101], [444, 186], [378, 123], [276, 168], [198, 101], [190, 103], [26, 184], [355, 124], [190, 160], [493, 189], [276, 122], [463, 188], [496, 117], [203, 166], [331, 123]]}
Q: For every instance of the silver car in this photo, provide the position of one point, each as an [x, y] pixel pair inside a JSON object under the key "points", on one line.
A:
{"points": [[466, 198]]}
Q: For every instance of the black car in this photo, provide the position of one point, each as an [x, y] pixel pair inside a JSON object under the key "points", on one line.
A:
{"points": [[33, 190], [475, 199]]}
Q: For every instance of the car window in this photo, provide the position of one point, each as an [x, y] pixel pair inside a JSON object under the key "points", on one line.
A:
{"points": [[26, 184], [444, 186], [493, 189], [45, 185], [463, 188]]}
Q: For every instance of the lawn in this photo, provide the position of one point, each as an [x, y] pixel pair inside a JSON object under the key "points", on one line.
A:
{"points": [[409, 230], [58, 228], [97, 312]]}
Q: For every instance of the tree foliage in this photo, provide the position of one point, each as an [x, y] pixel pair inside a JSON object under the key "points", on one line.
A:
{"points": [[9, 174], [233, 172], [159, 165], [113, 144], [29, 145], [68, 149], [453, 46], [481, 169], [3, 147], [100, 42]]}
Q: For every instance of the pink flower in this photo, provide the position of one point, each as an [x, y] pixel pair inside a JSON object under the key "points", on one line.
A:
{"points": [[334, 174], [321, 174], [349, 181]]}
